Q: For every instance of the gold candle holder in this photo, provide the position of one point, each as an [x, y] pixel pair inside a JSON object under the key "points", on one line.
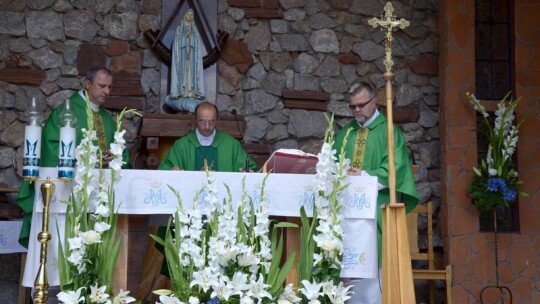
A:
{"points": [[42, 283]]}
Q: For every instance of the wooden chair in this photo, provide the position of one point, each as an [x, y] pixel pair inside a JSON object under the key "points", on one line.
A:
{"points": [[431, 273]]}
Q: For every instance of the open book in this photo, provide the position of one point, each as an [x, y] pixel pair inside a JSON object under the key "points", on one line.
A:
{"points": [[291, 161]]}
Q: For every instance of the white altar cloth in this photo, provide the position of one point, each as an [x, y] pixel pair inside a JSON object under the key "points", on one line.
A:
{"points": [[9, 237], [147, 192]]}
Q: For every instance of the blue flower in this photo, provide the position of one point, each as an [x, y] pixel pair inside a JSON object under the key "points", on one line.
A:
{"points": [[492, 184], [496, 183], [213, 300], [509, 195]]}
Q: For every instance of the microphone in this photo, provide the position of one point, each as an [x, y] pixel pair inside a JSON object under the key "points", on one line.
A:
{"points": [[412, 158], [234, 112]]}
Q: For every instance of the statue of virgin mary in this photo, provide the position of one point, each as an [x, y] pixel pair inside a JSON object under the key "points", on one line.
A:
{"points": [[187, 83]]}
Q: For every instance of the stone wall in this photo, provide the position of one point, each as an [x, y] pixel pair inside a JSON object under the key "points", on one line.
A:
{"points": [[308, 46], [274, 47], [326, 46], [63, 39]]}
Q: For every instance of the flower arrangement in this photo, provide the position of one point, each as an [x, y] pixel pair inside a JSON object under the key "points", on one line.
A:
{"points": [[319, 267], [219, 254], [495, 182], [88, 253]]}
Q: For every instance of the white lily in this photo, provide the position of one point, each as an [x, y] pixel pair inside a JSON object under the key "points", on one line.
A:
{"points": [[170, 300], [204, 279], [123, 298], [71, 297], [288, 296], [312, 291], [98, 294]]}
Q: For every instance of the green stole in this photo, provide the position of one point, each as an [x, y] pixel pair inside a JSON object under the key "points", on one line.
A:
{"points": [[360, 148], [100, 131], [208, 154]]}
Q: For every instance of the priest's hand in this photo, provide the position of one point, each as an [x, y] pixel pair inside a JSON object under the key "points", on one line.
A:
{"points": [[243, 170], [354, 171], [175, 168], [106, 158]]}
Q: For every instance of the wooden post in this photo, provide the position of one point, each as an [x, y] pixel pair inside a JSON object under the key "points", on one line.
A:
{"points": [[292, 245], [398, 286], [120, 270]]}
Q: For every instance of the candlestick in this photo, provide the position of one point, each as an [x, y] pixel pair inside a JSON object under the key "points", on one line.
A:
{"points": [[66, 146], [32, 142]]}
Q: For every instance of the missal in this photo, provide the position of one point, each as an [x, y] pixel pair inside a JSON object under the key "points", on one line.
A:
{"points": [[291, 161]]}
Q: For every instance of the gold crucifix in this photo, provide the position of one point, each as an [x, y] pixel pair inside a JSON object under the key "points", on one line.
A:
{"points": [[388, 23]]}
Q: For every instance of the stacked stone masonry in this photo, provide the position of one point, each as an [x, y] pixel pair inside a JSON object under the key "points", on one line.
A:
{"points": [[286, 45]]}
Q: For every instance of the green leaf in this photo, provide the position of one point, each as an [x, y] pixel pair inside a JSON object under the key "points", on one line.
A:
{"points": [[285, 225], [158, 240], [283, 273]]}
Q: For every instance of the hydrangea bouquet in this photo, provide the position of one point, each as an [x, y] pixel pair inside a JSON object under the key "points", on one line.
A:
{"points": [[88, 253], [319, 266], [495, 182], [217, 253]]}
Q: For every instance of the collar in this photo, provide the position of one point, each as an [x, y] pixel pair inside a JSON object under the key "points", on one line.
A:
{"points": [[205, 140], [373, 117], [93, 106]]}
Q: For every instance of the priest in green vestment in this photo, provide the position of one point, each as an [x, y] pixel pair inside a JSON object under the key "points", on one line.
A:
{"points": [[98, 85], [220, 151], [367, 149], [205, 145]]}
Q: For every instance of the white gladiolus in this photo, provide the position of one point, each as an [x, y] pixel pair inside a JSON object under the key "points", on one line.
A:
{"points": [[101, 227], [89, 217], [91, 237]]}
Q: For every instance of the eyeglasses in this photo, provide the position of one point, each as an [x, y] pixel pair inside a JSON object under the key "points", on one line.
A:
{"points": [[360, 105], [210, 123]]}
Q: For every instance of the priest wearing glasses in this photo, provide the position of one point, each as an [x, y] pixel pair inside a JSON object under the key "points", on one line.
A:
{"points": [[367, 149]]}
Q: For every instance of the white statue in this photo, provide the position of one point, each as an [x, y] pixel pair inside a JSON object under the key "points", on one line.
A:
{"points": [[187, 83]]}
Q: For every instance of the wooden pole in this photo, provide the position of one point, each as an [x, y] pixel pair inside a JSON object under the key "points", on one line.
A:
{"points": [[398, 287], [388, 76]]}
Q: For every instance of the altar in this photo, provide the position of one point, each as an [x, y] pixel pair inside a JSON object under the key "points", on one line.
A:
{"points": [[147, 192]]}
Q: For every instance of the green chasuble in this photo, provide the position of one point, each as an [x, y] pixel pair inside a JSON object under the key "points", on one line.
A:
{"points": [[187, 154], [225, 154], [375, 163], [49, 152]]}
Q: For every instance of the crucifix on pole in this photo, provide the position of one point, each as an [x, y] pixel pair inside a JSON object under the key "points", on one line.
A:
{"points": [[398, 286], [388, 22]]}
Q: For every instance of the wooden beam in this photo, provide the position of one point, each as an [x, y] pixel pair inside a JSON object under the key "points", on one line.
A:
{"points": [[127, 90], [178, 125], [118, 103], [258, 152], [254, 3], [306, 95], [263, 13], [257, 148], [403, 114], [306, 104], [22, 76], [126, 84]]}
